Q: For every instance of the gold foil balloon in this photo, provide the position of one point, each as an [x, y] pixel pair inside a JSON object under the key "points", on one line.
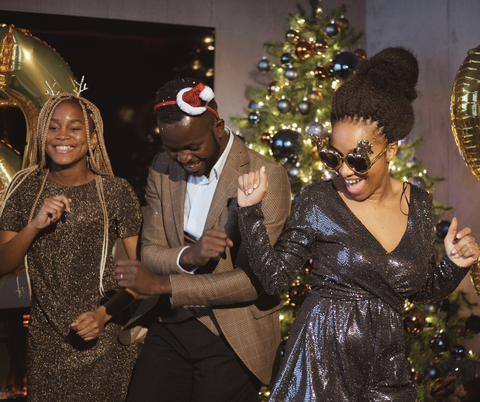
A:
{"points": [[464, 114], [464, 110], [10, 163], [26, 66]]}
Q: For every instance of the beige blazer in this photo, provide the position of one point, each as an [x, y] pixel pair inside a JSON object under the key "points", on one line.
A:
{"points": [[247, 317]]}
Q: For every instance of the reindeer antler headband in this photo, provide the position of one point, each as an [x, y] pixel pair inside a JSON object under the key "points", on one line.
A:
{"points": [[193, 101]]}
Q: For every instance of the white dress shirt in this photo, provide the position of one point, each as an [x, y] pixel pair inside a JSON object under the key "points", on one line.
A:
{"points": [[200, 192]]}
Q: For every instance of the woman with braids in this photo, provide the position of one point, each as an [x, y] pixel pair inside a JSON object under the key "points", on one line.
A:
{"points": [[61, 217], [371, 238]]}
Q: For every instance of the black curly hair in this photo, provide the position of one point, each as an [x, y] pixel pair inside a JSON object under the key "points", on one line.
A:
{"points": [[172, 113], [382, 92]]}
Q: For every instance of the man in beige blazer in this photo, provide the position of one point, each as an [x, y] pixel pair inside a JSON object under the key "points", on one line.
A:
{"points": [[213, 334]]}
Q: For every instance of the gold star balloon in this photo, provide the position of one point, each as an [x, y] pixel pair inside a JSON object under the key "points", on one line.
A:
{"points": [[464, 110], [464, 114]]}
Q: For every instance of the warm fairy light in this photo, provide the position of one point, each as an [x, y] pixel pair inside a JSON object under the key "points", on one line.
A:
{"points": [[319, 10], [250, 145], [209, 73], [301, 21], [272, 128], [425, 171], [305, 179], [260, 104], [326, 124], [262, 152], [270, 152], [211, 47], [286, 83], [420, 174], [405, 178], [280, 69], [312, 73], [208, 39], [196, 65], [299, 129], [282, 317], [294, 125]]}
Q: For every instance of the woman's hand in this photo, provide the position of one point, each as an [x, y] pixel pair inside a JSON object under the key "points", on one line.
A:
{"points": [[460, 247], [90, 325], [51, 211], [252, 187]]}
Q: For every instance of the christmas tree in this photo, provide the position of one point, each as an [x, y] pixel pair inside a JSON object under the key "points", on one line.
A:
{"points": [[314, 60]]}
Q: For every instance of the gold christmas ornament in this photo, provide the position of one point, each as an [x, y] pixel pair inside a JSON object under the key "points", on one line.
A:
{"points": [[304, 50], [314, 96], [464, 115], [27, 67]]}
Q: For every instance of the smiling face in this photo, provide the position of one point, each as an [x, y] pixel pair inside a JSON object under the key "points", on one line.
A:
{"points": [[66, 139], [195, 143], [345, 137]]}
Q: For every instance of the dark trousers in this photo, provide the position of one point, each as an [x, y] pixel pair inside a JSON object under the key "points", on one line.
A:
{"points": [[185, 362]]}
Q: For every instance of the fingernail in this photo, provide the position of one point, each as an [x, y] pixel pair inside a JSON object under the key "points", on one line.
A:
{"points": [[458, 236], [255, 186], [454, 251]]}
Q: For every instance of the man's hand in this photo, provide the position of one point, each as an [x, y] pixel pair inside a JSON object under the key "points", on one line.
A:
{"points": [[211, 246], [134, 275], [90, 325]]}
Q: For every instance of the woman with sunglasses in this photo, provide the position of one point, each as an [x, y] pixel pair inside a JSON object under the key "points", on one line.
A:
{"points": [[372, 241]]}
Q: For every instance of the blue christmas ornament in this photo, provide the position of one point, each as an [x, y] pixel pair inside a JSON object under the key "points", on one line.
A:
{"points": [[440, 343], [432, 372]]}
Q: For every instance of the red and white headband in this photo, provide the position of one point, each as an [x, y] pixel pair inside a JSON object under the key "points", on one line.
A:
{"points": [[193, 101]]}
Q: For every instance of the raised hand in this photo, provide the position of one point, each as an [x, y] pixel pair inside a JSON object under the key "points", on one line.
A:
{"points": [[211, 246], [460, 247], [90, 325], [252, 187], [51, 211]]}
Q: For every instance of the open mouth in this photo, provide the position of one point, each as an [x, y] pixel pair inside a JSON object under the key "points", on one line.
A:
{"points": [[354, 186], [192, 167], [63, 148]]}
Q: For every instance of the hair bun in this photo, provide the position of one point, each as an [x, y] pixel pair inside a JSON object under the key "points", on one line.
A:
{"points": [[394, 68]]}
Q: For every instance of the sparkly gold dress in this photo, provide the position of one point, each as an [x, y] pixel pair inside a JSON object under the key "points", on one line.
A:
{"points": [[346, 343], [63, 264]]}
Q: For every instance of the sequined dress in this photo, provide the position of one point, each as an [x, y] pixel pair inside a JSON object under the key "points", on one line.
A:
{"points": [[346, 343], [63, 264]]}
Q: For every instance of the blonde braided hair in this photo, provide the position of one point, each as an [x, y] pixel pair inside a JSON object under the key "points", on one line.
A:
{"points": [[97, 161]]}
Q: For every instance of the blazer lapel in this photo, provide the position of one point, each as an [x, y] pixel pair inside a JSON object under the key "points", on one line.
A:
{"points": [[178, 191], [237, 162]]}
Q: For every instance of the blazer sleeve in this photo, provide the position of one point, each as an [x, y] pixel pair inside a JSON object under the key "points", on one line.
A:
{"points": [[156, 253], [237, 285]]}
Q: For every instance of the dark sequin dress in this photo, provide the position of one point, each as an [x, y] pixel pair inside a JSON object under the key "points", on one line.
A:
{"points": [[63, 264], [346, 343]]}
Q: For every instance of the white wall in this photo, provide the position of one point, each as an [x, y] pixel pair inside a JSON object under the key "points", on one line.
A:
{"points": [[241, 29], [439, 32]]}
